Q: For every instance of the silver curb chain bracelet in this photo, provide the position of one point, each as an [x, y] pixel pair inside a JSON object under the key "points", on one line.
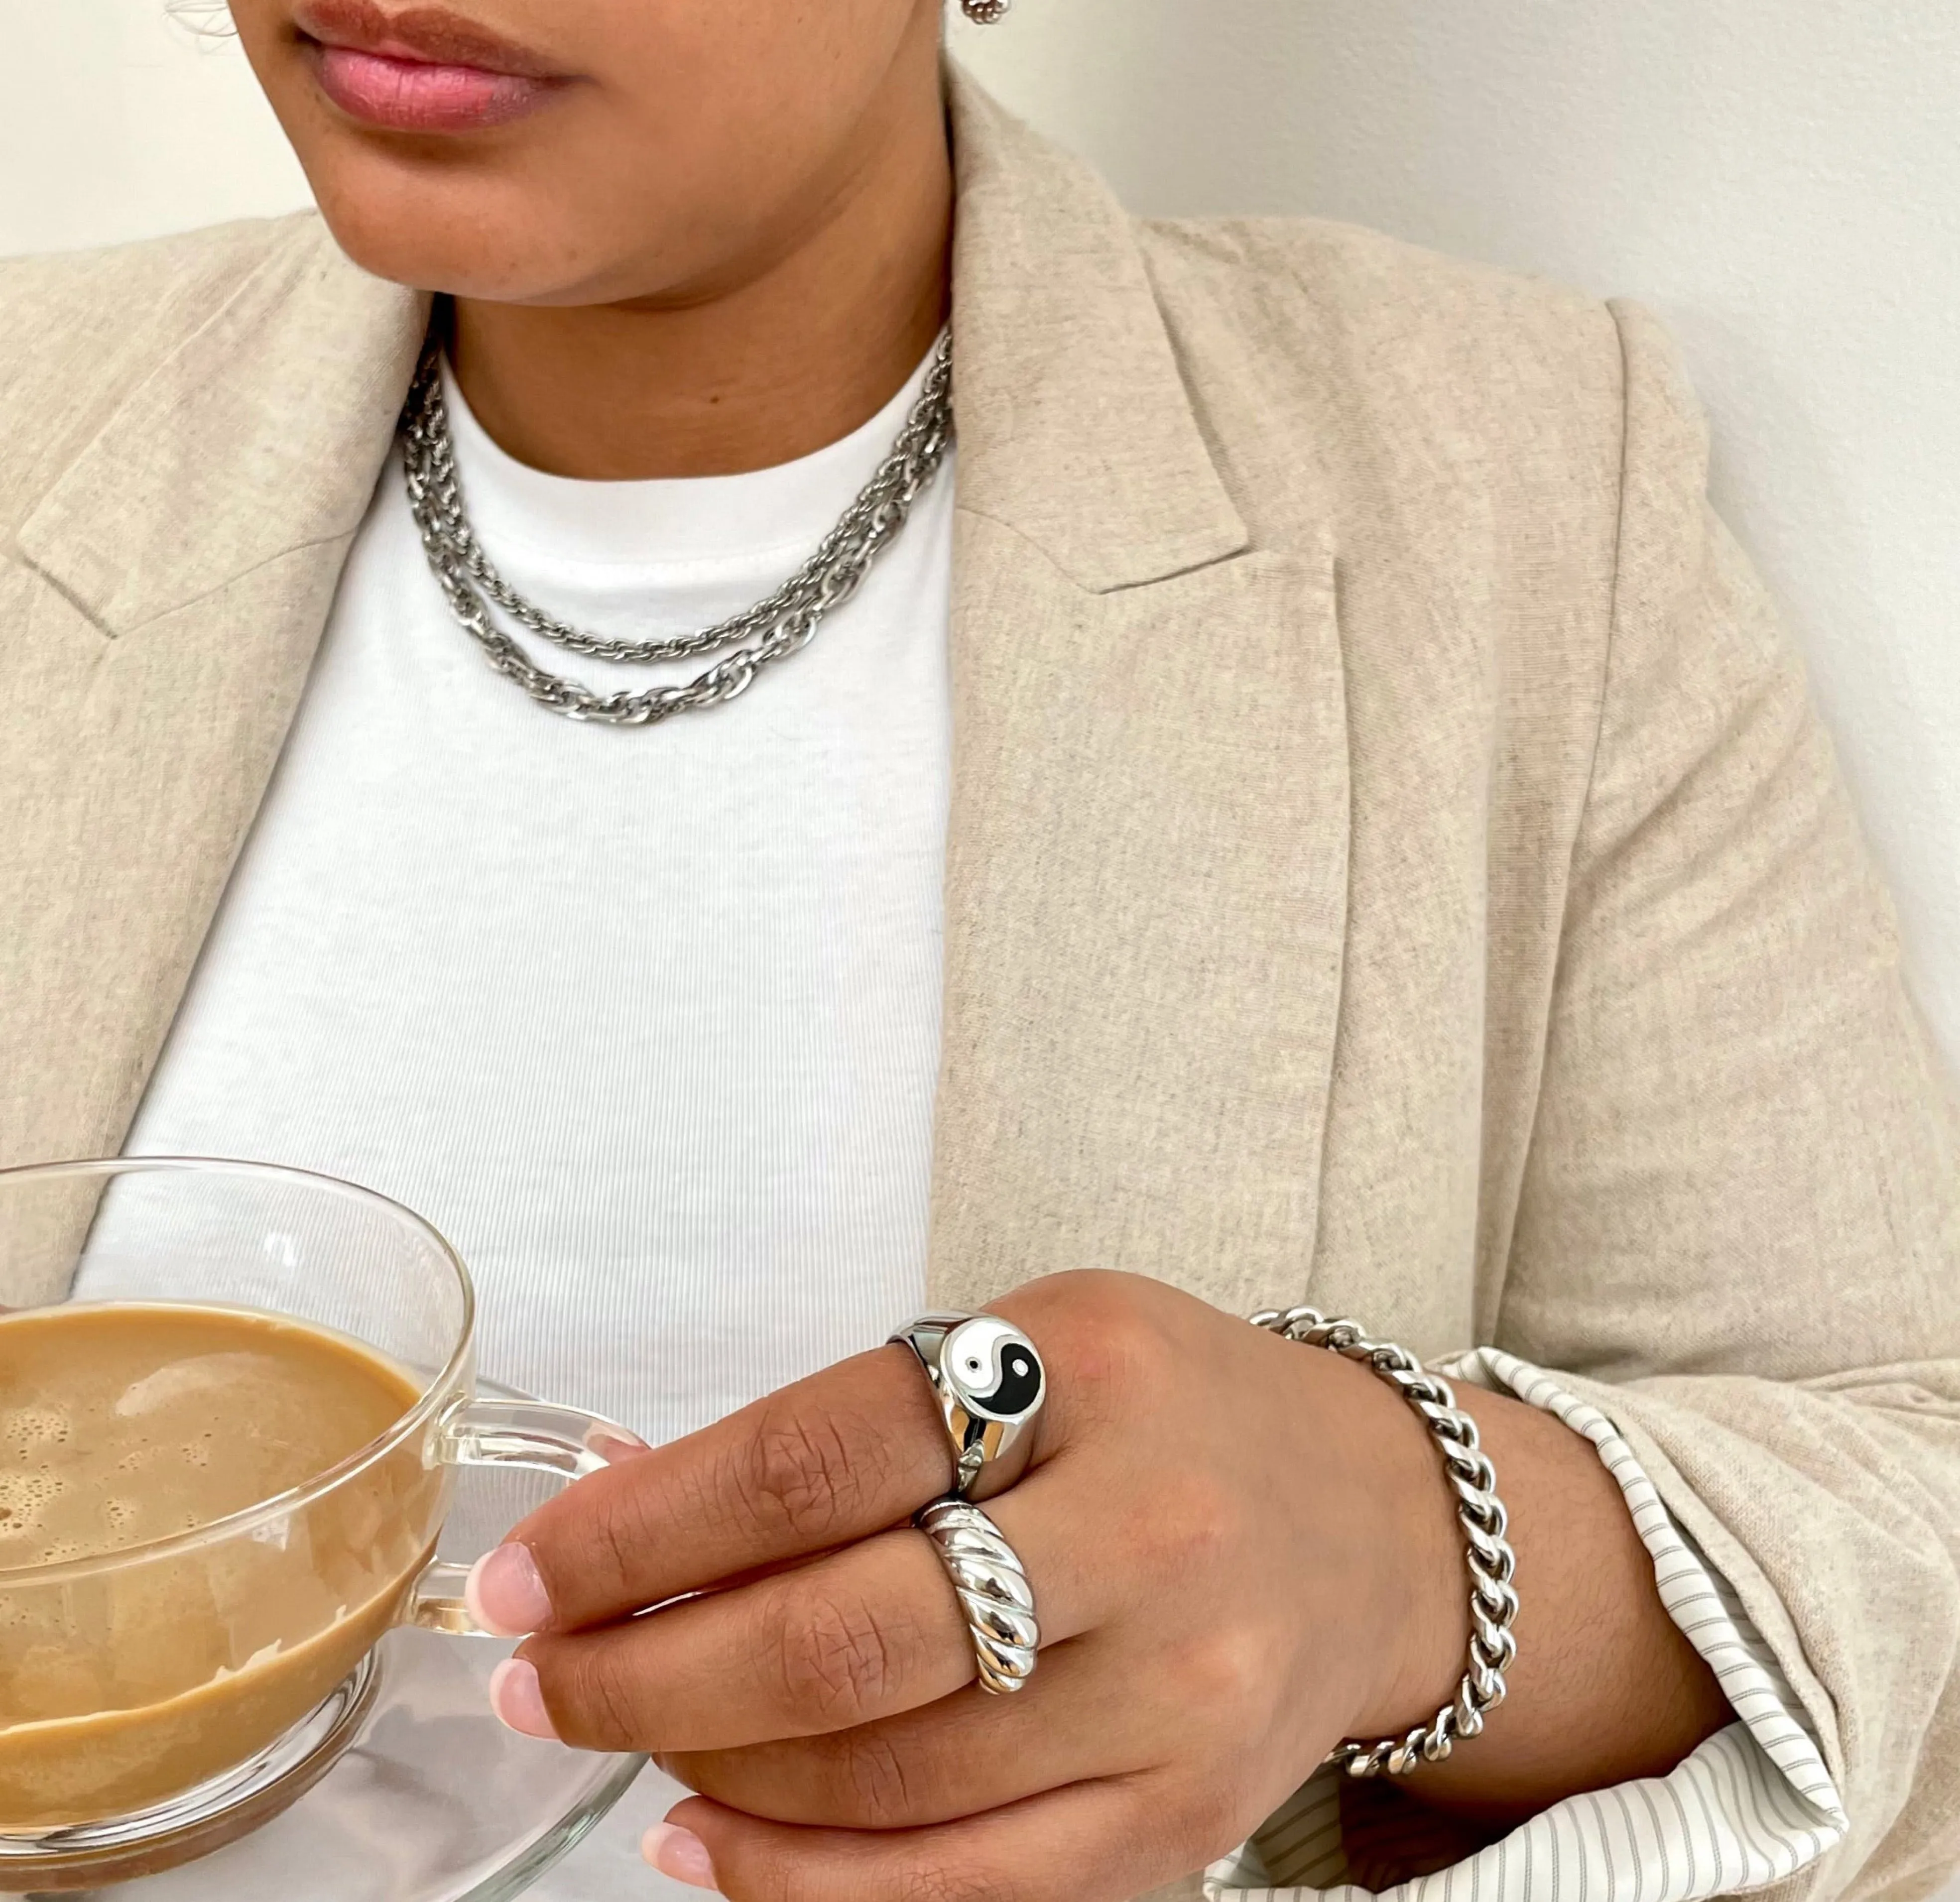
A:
{"points": [[1494, 1603]]}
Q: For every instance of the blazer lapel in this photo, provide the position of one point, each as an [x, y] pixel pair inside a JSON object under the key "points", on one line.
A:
{"points": [[166, 598], [1147, 857]]}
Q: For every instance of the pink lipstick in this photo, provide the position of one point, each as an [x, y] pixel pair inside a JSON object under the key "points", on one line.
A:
{"points": [[424, 70]]}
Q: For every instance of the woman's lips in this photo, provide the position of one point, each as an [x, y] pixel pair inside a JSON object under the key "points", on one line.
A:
{"points": [[403, 95]]}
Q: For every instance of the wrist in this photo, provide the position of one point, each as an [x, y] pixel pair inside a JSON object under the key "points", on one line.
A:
{"points": [[1424, 1590]]}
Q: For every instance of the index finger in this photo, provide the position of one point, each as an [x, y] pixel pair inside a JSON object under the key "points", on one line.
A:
{"points": [[833, 1458]]}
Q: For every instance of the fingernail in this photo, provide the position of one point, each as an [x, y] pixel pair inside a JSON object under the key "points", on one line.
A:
{"points": [[505, 1594], [679, 1853], [519, 1701], [613, 1443]]}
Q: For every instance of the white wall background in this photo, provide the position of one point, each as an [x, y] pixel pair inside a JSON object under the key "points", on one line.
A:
{"points": [[1780, 178]]}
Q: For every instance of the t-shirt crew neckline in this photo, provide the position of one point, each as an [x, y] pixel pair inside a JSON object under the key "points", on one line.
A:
{"points": [[788, 508]]}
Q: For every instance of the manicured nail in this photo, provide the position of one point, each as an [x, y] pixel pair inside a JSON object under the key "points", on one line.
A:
{"points": [[505, 1595], [679, 1853], [517, 1700], [615, 1443]]}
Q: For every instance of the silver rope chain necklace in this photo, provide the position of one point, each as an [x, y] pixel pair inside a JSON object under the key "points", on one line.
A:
{"points": [[773, 629]]}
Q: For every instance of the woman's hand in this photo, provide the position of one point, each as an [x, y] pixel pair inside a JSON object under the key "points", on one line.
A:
{"points": [[1243, 1550]]}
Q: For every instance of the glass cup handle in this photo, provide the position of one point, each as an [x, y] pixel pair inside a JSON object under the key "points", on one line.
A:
{"points": [[489, 1431]]}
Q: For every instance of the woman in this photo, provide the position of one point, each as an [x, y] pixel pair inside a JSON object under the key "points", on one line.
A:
{"points": [[1349, 798]]}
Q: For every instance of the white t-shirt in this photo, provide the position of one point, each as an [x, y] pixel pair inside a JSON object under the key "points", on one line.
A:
{"points": [[644, 1019]]}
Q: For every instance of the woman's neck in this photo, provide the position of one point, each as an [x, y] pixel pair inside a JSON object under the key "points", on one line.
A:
{"points": [[802, 343]]}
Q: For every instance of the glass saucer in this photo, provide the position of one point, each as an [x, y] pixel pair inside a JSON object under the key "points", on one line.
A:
{"points": [[425, 1796]]}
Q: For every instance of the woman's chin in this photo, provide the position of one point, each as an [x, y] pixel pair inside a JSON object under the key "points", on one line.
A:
{"points": [[418, 240]]}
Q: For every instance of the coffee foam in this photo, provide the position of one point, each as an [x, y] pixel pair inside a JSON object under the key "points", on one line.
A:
{"points": [[23, 1429], [26, 1493], [28, 1483], [30, 1486], [134, 1424]]}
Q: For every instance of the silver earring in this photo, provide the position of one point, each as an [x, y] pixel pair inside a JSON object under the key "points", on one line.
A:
{"points": [[985, 13]]}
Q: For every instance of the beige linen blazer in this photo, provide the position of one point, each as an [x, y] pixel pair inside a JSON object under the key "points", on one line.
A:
{"points": [[1392, 861]]}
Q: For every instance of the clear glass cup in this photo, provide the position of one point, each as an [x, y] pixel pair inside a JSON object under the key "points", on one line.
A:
{"points": [[131, 1677]]}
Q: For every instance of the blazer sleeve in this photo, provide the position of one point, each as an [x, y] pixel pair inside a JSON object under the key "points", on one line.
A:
{"points": [[1738, 1234]]}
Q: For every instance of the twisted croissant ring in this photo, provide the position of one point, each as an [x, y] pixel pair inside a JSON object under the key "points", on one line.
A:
{"points": [[993, 1589]]}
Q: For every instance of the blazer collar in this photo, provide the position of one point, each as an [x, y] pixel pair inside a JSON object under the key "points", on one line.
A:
{"points": [[1061, 358], [263, 431]]}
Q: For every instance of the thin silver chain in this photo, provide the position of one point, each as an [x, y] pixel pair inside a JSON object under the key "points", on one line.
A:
{"points": [[773, 629], [1494, 1603]]}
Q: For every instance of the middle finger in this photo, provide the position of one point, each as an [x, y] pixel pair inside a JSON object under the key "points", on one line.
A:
{"points": [[862, 1633], [1084, 1715]]}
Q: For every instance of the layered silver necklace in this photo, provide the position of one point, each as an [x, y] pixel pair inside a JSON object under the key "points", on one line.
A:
{"points": [[773, 629]]}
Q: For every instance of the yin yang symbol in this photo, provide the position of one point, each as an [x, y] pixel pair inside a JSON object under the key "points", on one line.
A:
{"points": [[991, 1369]]}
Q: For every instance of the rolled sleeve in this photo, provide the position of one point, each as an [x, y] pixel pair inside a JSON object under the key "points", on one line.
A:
{"points": [[1749, 1808]]}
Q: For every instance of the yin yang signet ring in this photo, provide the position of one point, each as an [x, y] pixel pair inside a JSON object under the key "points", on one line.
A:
{"points": [[989, 1384]]}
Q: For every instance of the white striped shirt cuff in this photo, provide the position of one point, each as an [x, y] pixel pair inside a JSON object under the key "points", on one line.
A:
{"points": [[1751, 1806]]}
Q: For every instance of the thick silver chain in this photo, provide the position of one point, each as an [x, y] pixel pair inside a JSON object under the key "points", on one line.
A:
{"points": [[1494, 1603], [773, 629]]}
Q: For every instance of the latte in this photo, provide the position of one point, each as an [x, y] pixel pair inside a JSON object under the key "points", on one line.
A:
{"points": [[126, 1681]]}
